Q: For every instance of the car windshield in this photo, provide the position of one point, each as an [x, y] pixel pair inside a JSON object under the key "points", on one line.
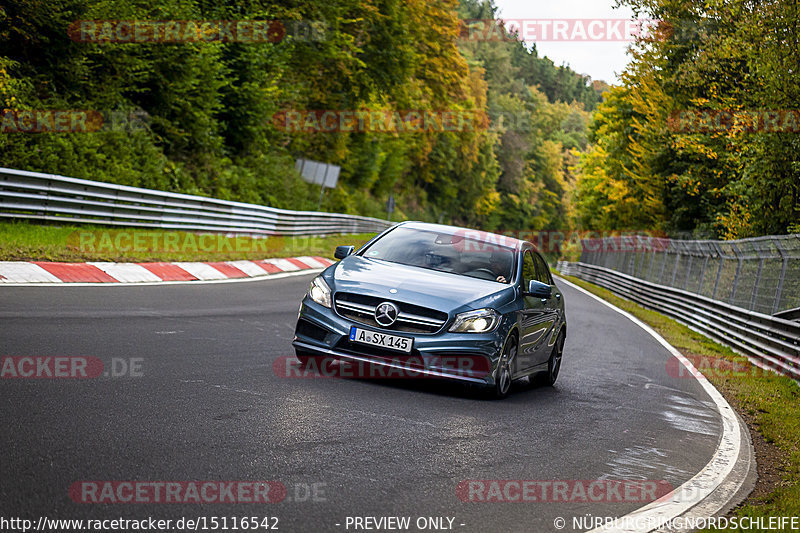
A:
{"points": [[481, 258]]}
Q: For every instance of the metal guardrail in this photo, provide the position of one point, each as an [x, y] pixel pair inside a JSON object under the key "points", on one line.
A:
{"points": [[760, 274], [769, 341], [33, 195]]}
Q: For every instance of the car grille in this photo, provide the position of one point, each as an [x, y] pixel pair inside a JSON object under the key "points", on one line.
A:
{"points": [[411, 319]]}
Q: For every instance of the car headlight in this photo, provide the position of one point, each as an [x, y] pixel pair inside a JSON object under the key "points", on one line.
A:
{"points": [[479, 321], [320, 292]]}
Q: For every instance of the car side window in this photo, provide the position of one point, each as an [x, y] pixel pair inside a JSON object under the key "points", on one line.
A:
{"points": [[542, 271], [528, 270]]}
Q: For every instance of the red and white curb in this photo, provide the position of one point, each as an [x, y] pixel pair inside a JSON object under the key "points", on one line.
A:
{"points": [[15, 272]]}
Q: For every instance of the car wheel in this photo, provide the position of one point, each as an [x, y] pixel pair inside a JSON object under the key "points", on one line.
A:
{"points": [[502, 382], [554, 363]]}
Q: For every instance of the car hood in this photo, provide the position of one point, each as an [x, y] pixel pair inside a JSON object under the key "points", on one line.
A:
{"points": [[420, 286]]}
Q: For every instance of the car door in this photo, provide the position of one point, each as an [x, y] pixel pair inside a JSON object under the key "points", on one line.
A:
{"points": [[549, 310], [534, 320]]}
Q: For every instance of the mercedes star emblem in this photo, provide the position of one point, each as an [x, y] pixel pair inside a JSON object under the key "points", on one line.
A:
{"points": [[386, 314]]}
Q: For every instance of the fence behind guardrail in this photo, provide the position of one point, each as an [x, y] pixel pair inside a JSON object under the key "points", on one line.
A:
{"points": [[759, 274], [33, 195], [744, 293]]}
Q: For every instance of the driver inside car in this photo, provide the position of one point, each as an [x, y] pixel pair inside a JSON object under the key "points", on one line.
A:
{"points": [[500, 265]]}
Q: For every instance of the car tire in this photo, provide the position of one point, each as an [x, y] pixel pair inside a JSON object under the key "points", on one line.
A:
{"points": [[502, 382], [553, 363]]}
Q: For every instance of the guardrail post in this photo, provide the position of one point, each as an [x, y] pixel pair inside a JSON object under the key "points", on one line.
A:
{"points": [[719, 270], [641, 255], [779, 288], [631, 263], [663, 267], [605, 257], [688, 272], [755, 285], [675, 268], [702, 274], [739, 261]]}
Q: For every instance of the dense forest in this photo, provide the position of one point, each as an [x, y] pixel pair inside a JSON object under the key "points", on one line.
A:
{"points": [[199, 116], [551, 149], [734, 171]]}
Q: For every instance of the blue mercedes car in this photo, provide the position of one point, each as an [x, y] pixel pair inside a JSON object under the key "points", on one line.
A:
{"points": [[438, 301]]}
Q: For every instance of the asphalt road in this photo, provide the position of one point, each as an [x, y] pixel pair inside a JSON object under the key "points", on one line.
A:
{"points": [[208, 406]]}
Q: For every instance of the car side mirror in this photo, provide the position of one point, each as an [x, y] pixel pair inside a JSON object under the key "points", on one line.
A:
{"points": [[537, 289], [343, 251]]}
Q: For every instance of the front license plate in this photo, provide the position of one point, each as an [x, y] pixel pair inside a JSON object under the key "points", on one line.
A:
{"points": [[382, 340]]}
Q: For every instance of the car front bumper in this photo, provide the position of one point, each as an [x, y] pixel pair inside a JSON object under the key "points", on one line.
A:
{"points": [[466, 357]]}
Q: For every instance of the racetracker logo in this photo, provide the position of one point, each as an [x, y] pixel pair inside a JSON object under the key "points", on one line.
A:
{"points": [[710, 367], [740, 121], [72, 121], [126, 241], [57, 367], [561, 490], [177, 492], [195, 31], [569, 30], [50, 121], [481, 241], [403, 367], [379, 121], [553, 241]]}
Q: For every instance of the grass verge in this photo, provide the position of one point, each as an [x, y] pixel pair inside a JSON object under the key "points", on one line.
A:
{"points": [[769, 404], [23, 241]]}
